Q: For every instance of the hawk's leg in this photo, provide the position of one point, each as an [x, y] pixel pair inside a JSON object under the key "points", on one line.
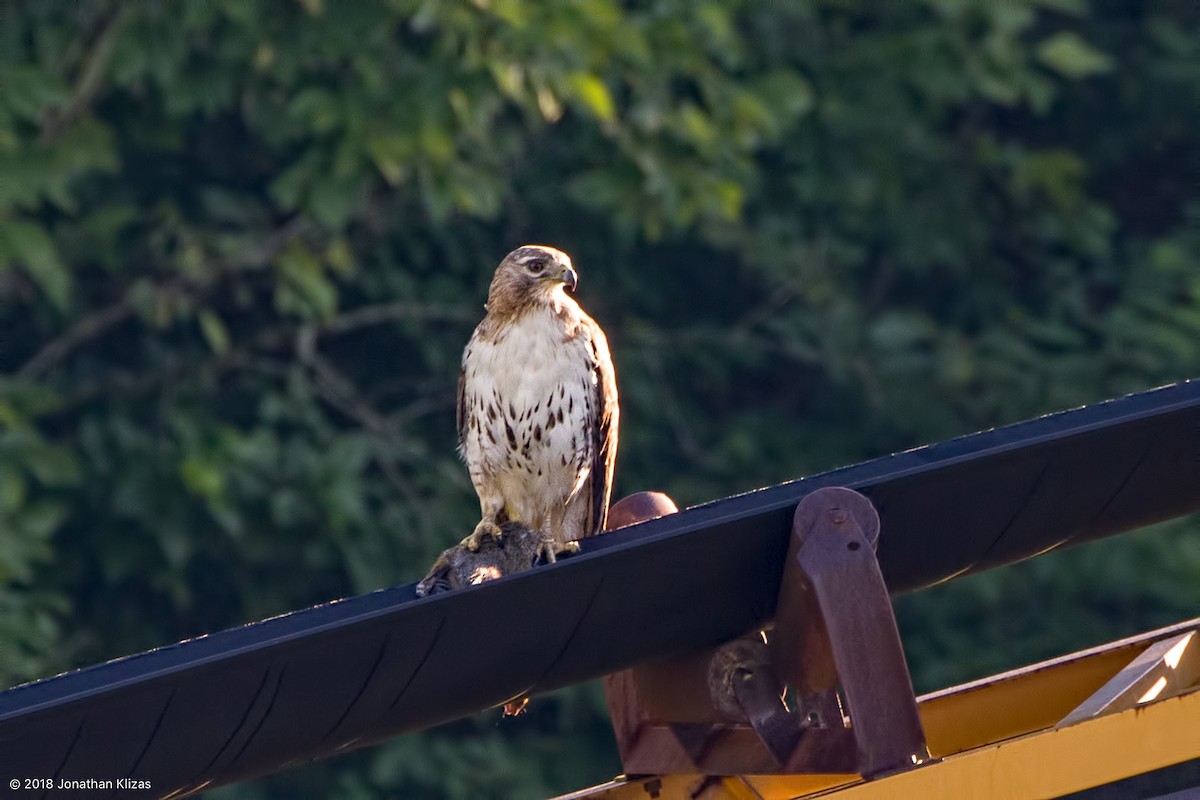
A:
{"points": [[549, 549], [492, 515]]}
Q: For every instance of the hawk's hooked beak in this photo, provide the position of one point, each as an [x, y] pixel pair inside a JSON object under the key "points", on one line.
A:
{"points": [[570, 278]]}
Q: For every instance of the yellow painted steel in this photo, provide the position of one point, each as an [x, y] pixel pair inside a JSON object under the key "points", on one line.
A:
{"points": [[785, 787], [1047, 763], [1055, 762], [1015, 703], [996, 739], [737, 789], [701, 787]]}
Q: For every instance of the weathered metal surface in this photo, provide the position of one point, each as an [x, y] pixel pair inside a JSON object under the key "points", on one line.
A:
{"points": [[834, 632], [998, 739], [316, 682], [834, 627]]}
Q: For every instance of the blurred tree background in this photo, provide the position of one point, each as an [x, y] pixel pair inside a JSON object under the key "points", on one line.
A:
{"points": [[242, 245]]}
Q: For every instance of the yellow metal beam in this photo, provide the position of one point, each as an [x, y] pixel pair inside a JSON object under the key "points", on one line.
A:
{"points": [[1048, 763], [1014, 703], [1030, 698], [1055, 762], [996, 738]]}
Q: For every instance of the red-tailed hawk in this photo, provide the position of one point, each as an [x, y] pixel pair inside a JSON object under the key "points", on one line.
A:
{"points": [[537, 405]]}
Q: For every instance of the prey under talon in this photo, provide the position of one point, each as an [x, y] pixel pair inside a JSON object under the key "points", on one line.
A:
{"points": [[485, 556]]}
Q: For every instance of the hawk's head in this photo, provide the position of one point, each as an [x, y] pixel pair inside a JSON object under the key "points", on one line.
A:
{"points": [[530, 274]]}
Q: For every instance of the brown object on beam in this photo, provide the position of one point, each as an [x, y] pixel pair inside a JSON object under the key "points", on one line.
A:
{"points": [[721, 711], [639, 507]]}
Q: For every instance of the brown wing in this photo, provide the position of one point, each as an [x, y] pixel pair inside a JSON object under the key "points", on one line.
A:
{"points": [[460, 411], [603, 430]]}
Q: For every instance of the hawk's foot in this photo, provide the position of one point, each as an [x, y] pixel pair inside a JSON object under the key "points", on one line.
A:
{"points": [[514, 707], [484, 530], [549, 550]]}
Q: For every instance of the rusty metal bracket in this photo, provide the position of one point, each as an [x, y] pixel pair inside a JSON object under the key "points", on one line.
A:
{"points": [[834, 628], [834, 644]]}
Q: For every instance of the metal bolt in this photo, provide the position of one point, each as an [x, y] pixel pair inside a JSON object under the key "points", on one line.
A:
{"points": [[838, 515]]}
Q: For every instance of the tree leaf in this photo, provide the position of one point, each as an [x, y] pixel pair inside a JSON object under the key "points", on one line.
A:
{"points": [[594, 95], [214, 330], [304, 289], [34, 251], [392, 154], [787, 92], [53, 465], [201, 477], [13, 489], [1070, 55], [28, 90]]}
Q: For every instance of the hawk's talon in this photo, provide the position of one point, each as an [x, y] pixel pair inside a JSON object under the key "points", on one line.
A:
{"points": [[484, 530], [546, 552], [549, 550], [514, 707]]}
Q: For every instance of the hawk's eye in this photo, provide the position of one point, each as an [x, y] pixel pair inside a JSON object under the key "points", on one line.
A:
{"points": [[535, 266]]}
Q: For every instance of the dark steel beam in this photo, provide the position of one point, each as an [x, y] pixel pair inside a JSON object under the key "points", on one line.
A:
{"points": [[316, 682]]}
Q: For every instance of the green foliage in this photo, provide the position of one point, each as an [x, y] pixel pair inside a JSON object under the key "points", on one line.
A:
{"points": [[242, 245]]}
